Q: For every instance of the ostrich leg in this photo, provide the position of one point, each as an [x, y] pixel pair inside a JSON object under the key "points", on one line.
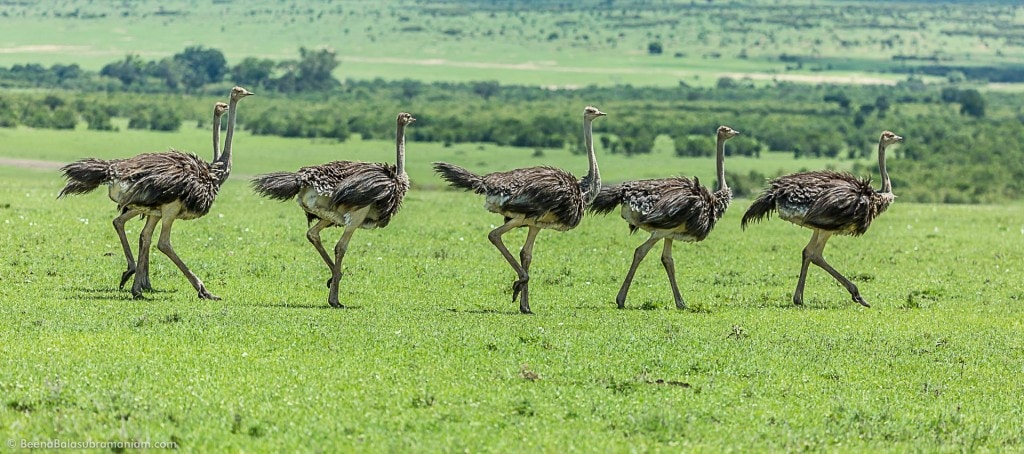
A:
{"points": [[313, 235], [495, 237], [145, 243], [119, 227], [164, 245], [670, 268], [355, 219], [638, 256], [525, 257], [817, 258]]}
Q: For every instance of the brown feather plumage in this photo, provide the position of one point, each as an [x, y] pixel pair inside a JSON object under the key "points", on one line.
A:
{"points": [[833, 201]]}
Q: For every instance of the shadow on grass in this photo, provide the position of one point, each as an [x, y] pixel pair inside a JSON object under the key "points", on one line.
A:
{"points": [[323, 306], [112, 293], [482, 311]]}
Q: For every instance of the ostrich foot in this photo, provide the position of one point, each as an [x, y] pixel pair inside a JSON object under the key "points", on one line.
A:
{"points": [[125, 276], [206, 295], [798, 300], [860, 300], [680, 304], [524, 307], [519, 286], [335, 304], [620, 300]]}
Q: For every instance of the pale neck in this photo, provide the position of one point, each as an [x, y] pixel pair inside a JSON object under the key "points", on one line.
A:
{"points": [[216, 137], [721, 163], [886, 184], [400, 150], [593, 178], [226, 157]]}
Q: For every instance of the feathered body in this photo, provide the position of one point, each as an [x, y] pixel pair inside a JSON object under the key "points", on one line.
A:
{"points": [[829, 203], [671, 209], [533, 197], [834, 201], [330, 191], [148, 181], [159, 187], [545, 197], [680, 206], [346, 194]]}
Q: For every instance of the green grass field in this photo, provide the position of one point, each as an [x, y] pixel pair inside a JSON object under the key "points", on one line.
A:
{"points": [[546, 44], [432, 354]]}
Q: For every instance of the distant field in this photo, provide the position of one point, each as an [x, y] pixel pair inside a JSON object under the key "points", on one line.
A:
{"points": [[433, 356], [546, 44]]}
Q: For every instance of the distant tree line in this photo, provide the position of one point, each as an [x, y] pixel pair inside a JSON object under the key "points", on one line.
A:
{"points": [[961, 147]]}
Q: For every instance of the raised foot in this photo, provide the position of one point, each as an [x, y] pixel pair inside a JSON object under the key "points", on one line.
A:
{"points": [[519, 286], [125, 276], [861, 301]]}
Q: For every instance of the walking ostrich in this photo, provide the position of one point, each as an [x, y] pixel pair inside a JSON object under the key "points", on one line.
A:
{"points": [[157, 186], [343, 193], [829, 203], [671, 209], [535, 197]]}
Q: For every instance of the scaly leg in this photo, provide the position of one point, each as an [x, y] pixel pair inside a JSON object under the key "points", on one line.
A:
{"points": [[670, 268], [145, 244], [355, 219], [119, 228], [495, 237], [313, 235], [638, 256], [164, 245], [525, 257], [817, 258], [798, 294]]}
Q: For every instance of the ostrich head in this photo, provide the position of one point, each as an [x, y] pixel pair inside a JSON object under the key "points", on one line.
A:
{"points": [[726, 132], [591, 112], [239, 93], [405, 118], [219, 108], [889, 138]]}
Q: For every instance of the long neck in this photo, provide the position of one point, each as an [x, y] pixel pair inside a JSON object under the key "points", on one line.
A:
{"points": [[592, 182], [886, 184], [216, 137], [226, 157], [721, 163], [400, 150]]}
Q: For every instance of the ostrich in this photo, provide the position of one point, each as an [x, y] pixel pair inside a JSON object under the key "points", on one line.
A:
{"points": [[535, 197], [671, 209], [218, 110], [163, 186], [829, 203], [343, 193]]}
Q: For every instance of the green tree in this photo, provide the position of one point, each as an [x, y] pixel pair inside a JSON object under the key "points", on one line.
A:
{"points": [[253, 72], [129, 71], [201, 66], [972, 103]]}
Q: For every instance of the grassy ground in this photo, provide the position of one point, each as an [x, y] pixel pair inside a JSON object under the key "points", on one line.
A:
{"points": [[433, 355]]}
